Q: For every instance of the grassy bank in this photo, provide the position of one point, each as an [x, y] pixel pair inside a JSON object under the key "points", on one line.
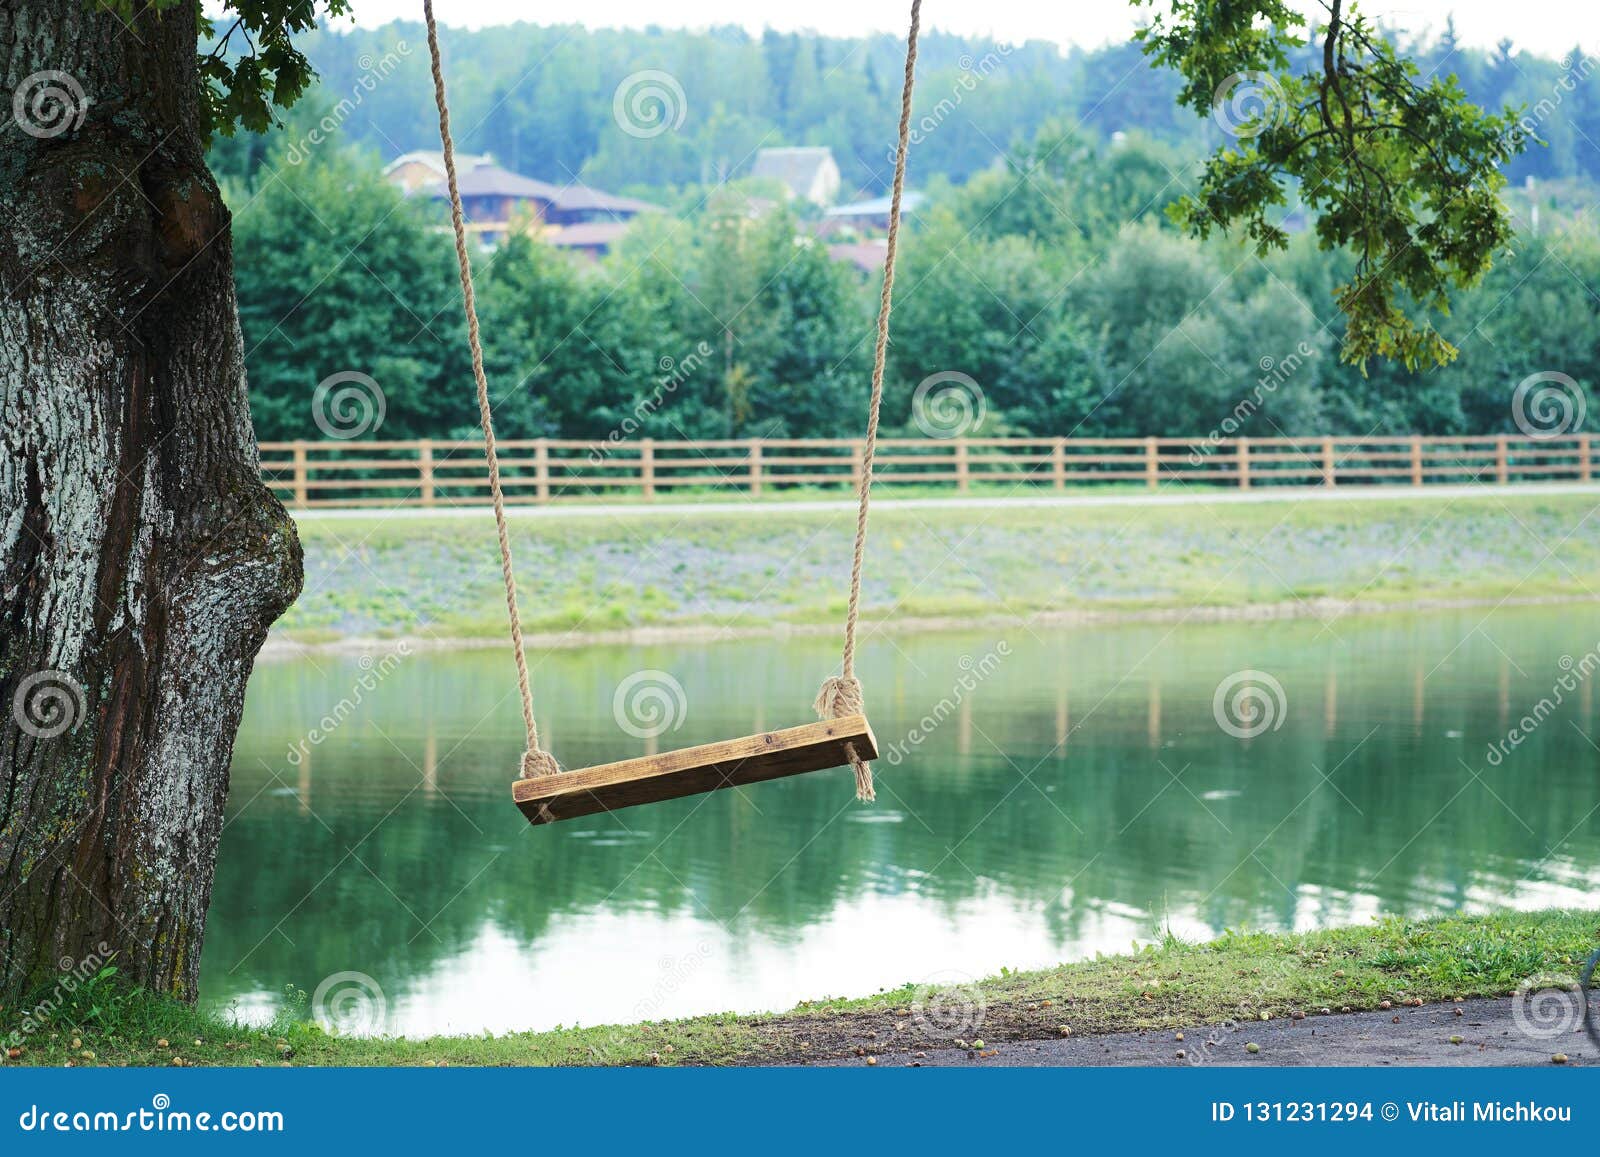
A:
{"points": [[1173, 985], [605, 572]]}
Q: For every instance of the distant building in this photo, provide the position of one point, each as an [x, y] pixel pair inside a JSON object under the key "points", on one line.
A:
{"points": [[411, 171], [808, 173], [495, 200], [592, 239], [873, 213]]}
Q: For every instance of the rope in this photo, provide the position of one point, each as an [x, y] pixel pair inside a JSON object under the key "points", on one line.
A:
{"points": [[841, 694], [535, 760]]}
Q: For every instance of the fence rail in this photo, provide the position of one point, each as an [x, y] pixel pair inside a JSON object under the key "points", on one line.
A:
{"points": [[434, 472]]}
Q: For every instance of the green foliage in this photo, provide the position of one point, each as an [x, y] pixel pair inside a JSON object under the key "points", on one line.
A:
{"points": [[1404, 173], [254, 64]]}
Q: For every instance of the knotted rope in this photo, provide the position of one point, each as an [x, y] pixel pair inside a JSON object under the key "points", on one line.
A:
{"points": [[535, 760], [841, 694]]}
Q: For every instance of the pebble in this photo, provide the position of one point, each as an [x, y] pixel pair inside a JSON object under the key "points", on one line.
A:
{"points": [[872, 1060]]}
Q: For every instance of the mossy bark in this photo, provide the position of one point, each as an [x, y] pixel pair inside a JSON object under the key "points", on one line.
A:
{"points": [[141, 559]]}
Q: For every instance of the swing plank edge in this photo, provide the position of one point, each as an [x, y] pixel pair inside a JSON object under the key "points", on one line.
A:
{"points": [[694, 770]]}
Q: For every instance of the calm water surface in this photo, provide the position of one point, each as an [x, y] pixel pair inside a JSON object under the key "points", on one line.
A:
{"points": [[1079, 797]]}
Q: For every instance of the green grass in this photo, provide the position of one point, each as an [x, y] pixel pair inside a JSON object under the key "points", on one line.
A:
{"points": [[591, 573], [1241, 975]]}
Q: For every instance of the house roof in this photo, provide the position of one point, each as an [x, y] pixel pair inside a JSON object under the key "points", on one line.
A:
{"points": [[795, 167], [493, 181], [435, 161], [581, 197], [479, 176], [876, 207]]}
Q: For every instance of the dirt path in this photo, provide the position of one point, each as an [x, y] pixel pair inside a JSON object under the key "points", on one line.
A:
{"points": [[1490, 1036]]}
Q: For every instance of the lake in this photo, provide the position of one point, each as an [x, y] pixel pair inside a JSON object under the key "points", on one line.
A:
{"points": [[1052, 794]]}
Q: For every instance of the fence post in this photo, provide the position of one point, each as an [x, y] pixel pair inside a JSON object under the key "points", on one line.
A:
{"points": [[541, 470], [1416, 459], [1585, 466], [962, 479], [755, 467], [1152, 464], [1058, 463], [1330, 464], [1502, 460], [299, 474], [425, 470], [858, 464], [1244, 463], [647, 466]]}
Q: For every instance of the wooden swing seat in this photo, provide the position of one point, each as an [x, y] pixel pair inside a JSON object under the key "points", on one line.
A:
{"points": [[693, 770]]}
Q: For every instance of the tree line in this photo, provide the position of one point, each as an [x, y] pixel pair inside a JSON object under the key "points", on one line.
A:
{"points": [[1053, 280], [544, 99]]}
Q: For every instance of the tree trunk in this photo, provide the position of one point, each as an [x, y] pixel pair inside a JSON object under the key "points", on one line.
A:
{"points": [[141, 559]]}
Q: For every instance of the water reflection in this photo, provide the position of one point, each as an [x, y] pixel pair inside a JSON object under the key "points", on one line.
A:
{"points": [[1072, 801]]}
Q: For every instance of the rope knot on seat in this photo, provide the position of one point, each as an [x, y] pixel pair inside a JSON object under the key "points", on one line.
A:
{"points": [[536, 763], [840, 695]]}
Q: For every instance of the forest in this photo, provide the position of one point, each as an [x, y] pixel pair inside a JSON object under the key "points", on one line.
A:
{"points": [[1042, 264]]}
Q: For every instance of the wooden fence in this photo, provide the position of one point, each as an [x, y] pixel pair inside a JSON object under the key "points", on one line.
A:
{"points": [[431, 472]]}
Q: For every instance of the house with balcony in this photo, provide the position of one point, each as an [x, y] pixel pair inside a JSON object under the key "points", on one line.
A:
{"points": [[495, 201]]}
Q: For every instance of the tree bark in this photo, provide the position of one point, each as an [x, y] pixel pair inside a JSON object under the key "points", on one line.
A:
{"points": [[141, 558]]}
